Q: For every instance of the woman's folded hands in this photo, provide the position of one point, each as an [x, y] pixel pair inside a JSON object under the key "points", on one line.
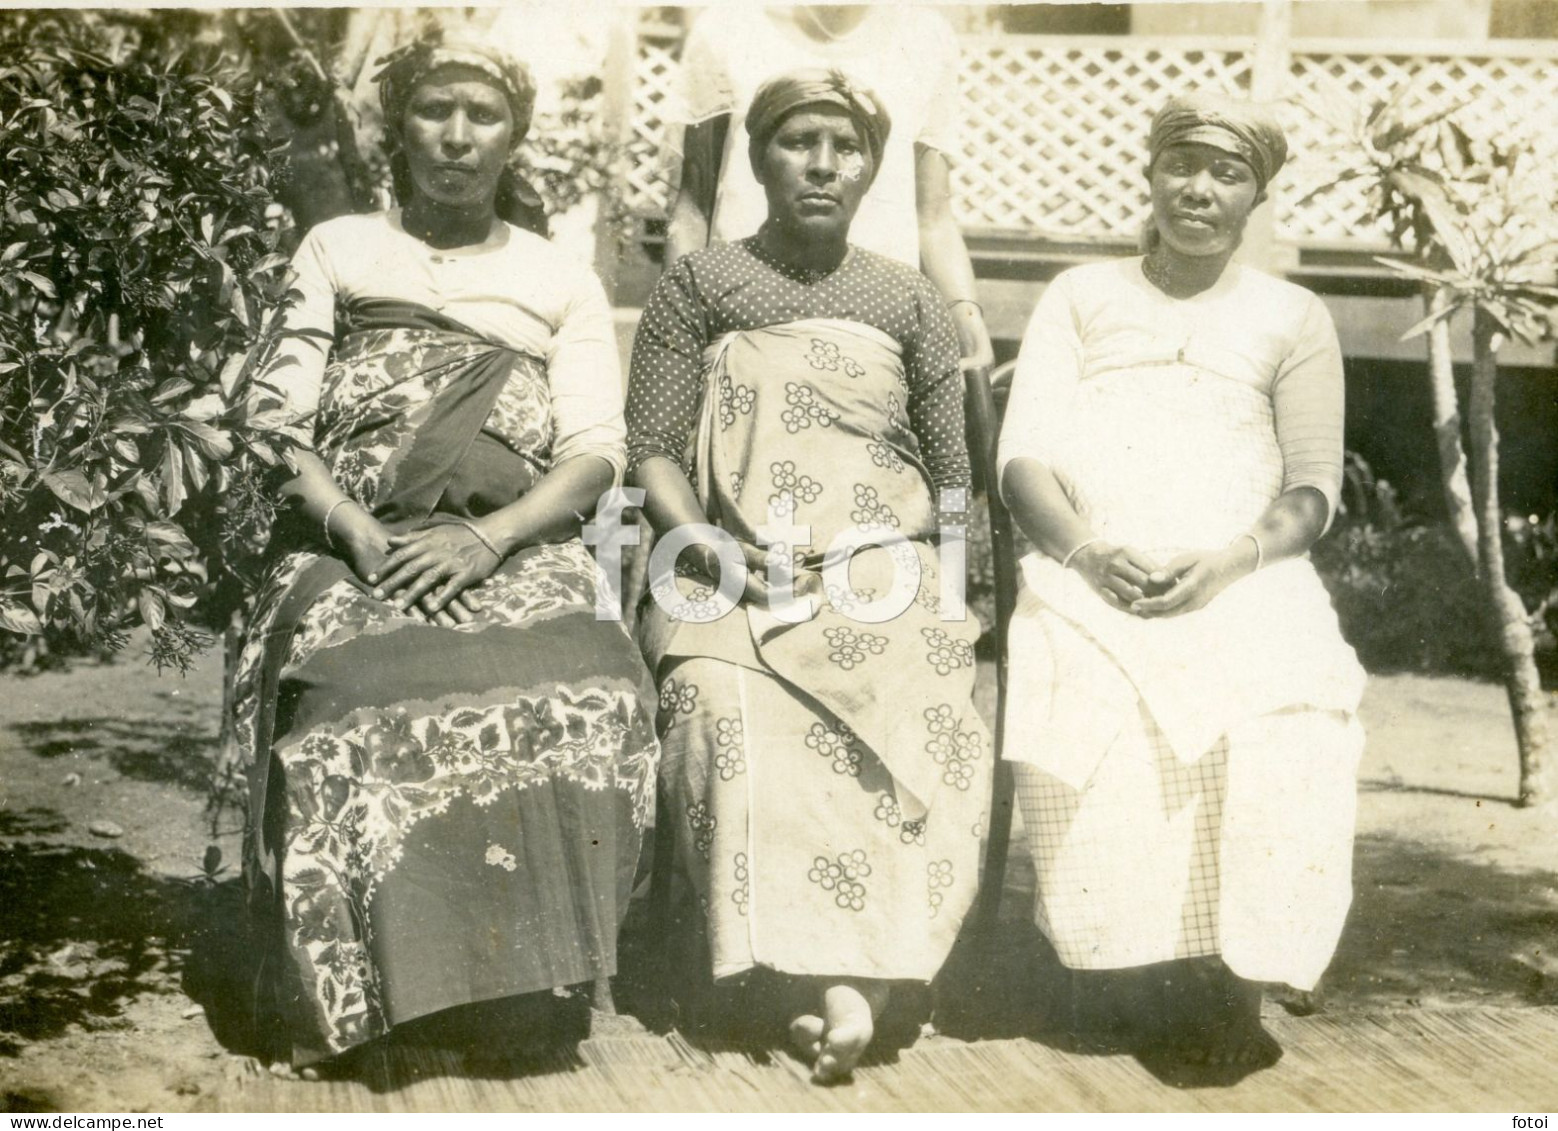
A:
{"points": [[1193, 579], [1128, 580], [434, 571]]}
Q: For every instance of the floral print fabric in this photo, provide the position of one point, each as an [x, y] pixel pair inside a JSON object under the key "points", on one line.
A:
{"points": [[442, 815], [828, 777]]}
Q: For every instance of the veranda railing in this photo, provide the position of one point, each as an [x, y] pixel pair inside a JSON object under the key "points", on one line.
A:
{"points": [[1054, 128]]}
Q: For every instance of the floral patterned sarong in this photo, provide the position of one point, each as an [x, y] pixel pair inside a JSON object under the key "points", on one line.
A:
{"points": [[828, 778], [439, 816]]}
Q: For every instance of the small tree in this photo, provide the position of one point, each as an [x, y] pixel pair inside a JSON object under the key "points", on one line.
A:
{"points": [[139, 279], [1407, 163], [1502, 245]]}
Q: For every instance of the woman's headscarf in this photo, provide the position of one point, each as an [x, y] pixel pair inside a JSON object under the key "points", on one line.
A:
{"points": [[781, 95], [400, 72], [1249, 130], [406, 66]]}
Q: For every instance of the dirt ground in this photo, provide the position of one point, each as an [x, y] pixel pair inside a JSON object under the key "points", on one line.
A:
{"points": [[118, 925]]}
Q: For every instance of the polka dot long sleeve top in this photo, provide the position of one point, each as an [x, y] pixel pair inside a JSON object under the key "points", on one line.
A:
{"points": [[737, 286]]}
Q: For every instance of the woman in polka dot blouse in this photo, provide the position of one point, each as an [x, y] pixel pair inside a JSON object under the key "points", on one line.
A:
{"points": [[826, 768]]}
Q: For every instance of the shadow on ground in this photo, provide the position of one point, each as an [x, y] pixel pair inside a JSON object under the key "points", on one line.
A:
{"points": [[177, 745], [88, 929], [1433, 928]]}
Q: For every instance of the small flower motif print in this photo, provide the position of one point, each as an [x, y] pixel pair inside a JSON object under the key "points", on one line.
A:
{"points": [[730, 757], [824, 355], [888, 811], [895, 413], [737, 481], [852, 368], [791, 487], [805, 410], [845, 600], [978, 830], [945, 654], [849, 648], [941, 719], [956, 751], [742, 894], [676, 699], [698, 606], [913, 832], [885, 455], [702, 823], [938, 877], [733, 399], [870, 510], [838, 743], [843, 876]]}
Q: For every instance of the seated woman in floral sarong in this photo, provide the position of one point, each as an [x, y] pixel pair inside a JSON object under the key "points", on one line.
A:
{"points": [[1173, 447], [829, 777], [451, 757]]}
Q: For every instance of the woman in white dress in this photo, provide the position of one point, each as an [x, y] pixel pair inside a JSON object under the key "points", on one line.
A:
{"points": [[1173, 448]]}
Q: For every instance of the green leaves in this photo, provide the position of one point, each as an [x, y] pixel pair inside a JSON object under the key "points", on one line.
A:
{"points": [[140, 276]]}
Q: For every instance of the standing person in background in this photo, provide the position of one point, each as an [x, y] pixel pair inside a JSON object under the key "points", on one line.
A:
{"points": [[907, 55]]}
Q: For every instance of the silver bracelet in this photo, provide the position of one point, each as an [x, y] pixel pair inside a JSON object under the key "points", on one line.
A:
{"points": [[1260, 551], [480, 537], [329, 541], [1065, 562]]}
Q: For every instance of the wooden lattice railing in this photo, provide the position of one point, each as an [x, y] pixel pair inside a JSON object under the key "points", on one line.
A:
{"points": [[1054, 128]]}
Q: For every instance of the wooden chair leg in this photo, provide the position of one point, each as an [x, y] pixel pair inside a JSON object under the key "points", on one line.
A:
{"points": [[983, 416], [1003, 798]]}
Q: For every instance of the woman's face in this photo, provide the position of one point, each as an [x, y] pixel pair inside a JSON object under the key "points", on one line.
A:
{"points": [[1202, 197], [814, 171], [456, 133]]}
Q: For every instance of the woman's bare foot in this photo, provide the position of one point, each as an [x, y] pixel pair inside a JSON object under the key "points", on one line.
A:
{"points": [[850, 1010], [806, 1037], [1215, 1020]]}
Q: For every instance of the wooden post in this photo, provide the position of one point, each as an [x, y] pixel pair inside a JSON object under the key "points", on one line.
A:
{"points": [[1269, 71]]}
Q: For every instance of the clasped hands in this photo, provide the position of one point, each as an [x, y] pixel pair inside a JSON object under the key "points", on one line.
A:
{"points": [[432, 572], [759, 587], [1126, 579]]}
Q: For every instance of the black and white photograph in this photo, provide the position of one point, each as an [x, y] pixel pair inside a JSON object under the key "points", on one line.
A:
{"points": [[858, 558]]}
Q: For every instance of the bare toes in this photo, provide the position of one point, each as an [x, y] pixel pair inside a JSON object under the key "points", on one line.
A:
{"points": [[806, 1037]]}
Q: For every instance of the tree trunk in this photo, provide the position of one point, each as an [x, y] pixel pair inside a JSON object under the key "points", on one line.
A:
{"points": [[1526, 700], [1447, 428]]}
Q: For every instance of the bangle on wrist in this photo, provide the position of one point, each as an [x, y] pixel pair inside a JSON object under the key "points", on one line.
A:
{"points": [[1260, 552], [341, 502], [1065, 562], [966, 302], [481, 537]]}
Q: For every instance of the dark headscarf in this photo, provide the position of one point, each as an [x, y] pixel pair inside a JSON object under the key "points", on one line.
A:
{"points": [[777, 98], [1248, 130], [406, 66], [400, 72]]}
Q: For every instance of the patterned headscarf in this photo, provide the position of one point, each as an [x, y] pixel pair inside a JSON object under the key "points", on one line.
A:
{"points": [[1248, 130], [406, 66], [781, 95]]}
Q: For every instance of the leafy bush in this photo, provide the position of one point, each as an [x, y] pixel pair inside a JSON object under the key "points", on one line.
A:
{"points": [[1405, 594], [1407, 599], [139, 278]]}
